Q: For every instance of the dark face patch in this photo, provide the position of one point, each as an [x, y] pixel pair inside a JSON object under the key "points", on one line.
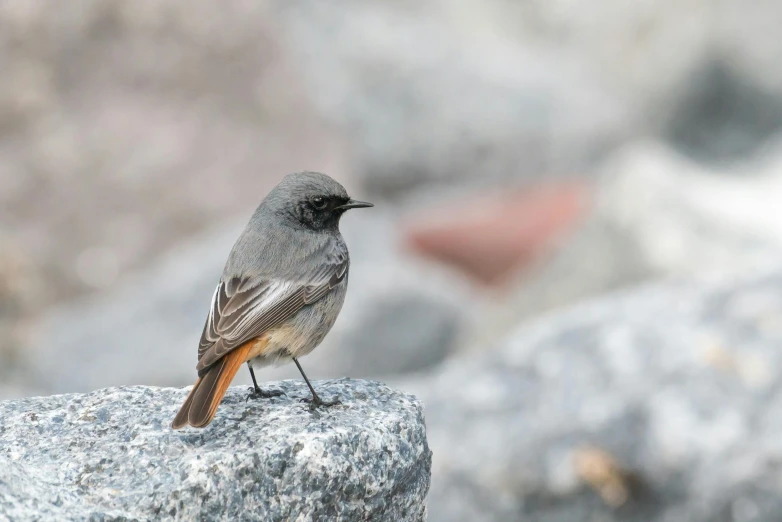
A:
{"points": [[320, 212]]}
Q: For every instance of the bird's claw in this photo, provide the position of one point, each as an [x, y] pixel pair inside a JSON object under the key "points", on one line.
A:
{"points": [[316, 402], [258, 393]]}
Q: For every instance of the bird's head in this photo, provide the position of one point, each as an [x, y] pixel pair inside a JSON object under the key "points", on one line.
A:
{"points": [[310, 200]]}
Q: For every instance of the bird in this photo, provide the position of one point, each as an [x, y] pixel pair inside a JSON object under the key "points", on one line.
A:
{"points": [[280, 292]]}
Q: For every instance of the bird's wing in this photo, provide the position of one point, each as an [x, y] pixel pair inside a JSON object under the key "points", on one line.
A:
{"points": [[243, 308]]}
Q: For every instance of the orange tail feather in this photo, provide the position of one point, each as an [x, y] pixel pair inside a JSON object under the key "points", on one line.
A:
{"points": [[180, 421], [201, 404]]}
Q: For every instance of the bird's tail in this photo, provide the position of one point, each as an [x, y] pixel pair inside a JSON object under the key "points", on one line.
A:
{"points": [[208, 391]]}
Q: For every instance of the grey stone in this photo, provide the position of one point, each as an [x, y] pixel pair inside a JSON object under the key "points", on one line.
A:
{"points": [[403, 334], [654, 404], [722, 116], [111, 455]]}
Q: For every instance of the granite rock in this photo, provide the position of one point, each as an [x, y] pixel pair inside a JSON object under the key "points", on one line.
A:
{"points": [[111, 455], [657, 404]]}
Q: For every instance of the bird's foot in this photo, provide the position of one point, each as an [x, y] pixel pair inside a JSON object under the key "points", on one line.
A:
{"points": [[316, 402], [258, 393]]}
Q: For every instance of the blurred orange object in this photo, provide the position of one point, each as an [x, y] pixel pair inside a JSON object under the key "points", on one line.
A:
{"points": [[492, 235]]}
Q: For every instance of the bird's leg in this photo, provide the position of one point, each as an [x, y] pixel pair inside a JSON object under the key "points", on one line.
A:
{"points": [[256, 388], [257, 392], [315, 401]]}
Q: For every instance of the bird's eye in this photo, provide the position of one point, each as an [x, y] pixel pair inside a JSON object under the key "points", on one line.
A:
{"points": [[319, 203]]}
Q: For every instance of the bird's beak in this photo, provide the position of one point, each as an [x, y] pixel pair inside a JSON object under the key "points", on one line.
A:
{"points": [[354, 204]]}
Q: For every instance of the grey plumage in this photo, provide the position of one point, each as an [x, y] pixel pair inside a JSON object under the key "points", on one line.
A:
{"points": [[283, 284]]}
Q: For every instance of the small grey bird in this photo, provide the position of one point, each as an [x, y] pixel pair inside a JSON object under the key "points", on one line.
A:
{"points": [[280, 293]]}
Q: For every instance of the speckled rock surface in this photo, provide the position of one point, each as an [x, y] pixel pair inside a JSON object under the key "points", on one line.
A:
{"points": [[657, 404], [111, 455]]}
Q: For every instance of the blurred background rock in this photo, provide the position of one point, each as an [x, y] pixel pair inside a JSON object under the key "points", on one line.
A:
{"points": [[523, 157]]}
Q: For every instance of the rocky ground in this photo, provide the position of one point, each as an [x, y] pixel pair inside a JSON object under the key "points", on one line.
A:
{"points": [[110, 455], [661, 403]]}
